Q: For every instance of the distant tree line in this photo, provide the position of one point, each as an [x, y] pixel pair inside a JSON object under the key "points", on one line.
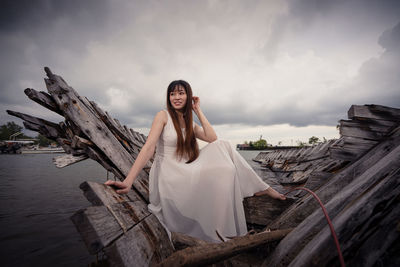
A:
{"points": [[259, 144], [313, 140], [262, 143], [10, 128]]}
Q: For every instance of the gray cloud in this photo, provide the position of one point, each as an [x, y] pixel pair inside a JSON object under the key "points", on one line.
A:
{"points": [[252, 63]]}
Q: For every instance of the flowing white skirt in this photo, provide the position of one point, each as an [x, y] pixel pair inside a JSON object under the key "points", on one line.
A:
{"points": [[204, 196]]}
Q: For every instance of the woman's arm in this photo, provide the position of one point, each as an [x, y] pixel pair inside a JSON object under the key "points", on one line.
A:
{"points": [[206, 132], [145, 154]]}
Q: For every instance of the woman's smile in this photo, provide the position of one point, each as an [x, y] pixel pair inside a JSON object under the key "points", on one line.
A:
{"points": [[178, 98]]}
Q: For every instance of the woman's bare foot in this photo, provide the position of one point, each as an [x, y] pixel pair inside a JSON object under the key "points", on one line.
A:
{"points": [[272, 193]]}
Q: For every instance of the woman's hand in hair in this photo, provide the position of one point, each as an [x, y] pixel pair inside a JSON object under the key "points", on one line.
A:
{"points": [[196, 103]]}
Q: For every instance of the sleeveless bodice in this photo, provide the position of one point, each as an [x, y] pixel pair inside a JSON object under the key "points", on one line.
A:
{"points": [[166, 145]]}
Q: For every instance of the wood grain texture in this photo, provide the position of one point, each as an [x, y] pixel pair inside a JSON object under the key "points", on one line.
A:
{"points": [[338, 196]]}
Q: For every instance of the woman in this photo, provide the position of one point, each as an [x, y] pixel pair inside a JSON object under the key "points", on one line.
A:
{"points": [[192, 191]]}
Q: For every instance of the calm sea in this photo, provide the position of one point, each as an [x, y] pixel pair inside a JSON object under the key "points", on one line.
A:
{"points": [[37, 200]]}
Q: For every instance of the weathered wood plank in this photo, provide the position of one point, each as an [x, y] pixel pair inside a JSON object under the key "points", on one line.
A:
{"points": [[66, 98], [66, 160], [262, 210], [356, 186], [347, 153], [145, 244], [369, 222], [315, 180], [376, 112], [43, 99], [113, 215], [106, 118], [97, 227], [207, 254], [79, 142], [49, 129], [365, 129]]}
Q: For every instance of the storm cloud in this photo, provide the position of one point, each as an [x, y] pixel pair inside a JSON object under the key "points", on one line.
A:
{"points": [[254, 64]]}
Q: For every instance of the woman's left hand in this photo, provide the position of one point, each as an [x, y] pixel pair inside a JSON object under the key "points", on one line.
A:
{"points": [[196, 103]]}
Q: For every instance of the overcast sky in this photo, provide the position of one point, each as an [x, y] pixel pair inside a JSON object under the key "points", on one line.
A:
{"points": [[285, 70]]}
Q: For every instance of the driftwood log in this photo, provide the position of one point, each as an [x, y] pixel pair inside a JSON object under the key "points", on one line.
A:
{"points": [[356, 176], [205, 254]]}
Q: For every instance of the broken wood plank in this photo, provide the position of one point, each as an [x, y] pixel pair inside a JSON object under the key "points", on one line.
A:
{"points": [[66, 160], [43, 99], [49, 129]]}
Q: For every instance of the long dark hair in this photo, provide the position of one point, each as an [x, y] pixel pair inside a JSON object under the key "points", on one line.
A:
{"points": [[185, 146]]}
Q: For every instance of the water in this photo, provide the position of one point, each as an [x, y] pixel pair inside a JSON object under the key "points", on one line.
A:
{"points": [[37, 200]]}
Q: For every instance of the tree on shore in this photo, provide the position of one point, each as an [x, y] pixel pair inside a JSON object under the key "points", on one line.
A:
{"points": [[259, 144], [10, 128], [313, 140]]}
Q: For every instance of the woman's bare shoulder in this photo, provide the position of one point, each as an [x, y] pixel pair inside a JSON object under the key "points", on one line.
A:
{"points": [[161, 116]]}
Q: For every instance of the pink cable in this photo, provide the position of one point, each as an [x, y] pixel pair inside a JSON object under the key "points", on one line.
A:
{"points": [[327, 218]]}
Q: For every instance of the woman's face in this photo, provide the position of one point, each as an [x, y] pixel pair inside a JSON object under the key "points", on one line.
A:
{"points": [[178, 98]]}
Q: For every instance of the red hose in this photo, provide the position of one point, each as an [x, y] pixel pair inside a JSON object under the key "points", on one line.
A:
{"points": [[327, 218]]}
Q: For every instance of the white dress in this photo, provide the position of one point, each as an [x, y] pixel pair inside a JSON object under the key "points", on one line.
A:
{"points": [[204, 196]]}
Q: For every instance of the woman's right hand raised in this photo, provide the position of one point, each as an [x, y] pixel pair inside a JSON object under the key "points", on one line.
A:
{"points": [[123, 187]]}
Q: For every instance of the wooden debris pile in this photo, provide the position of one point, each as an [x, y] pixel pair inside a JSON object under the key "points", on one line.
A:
{"points": [[366, 127], [295, 166], [89, 132], [356, 176], [119, 226], [362, 199], [313, 165]]}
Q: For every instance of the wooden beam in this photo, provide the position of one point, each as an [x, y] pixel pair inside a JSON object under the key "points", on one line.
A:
{"points": [[213, 252], [376, 112]]}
